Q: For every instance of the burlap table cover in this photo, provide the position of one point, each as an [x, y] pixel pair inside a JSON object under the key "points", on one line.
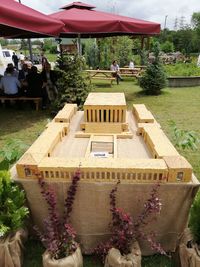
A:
{"points": [[91, 215], [11, 249]]}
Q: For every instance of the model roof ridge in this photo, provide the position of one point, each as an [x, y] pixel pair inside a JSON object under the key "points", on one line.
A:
{"points": [[105, 99]]}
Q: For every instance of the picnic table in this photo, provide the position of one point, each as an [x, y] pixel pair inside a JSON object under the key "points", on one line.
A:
{"points": [[132, 72], [101, 75]]}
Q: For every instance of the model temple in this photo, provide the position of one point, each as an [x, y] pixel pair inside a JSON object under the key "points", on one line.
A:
{"points": [[107, 143]]}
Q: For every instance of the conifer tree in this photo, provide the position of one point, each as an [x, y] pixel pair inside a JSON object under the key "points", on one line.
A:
{"points": [[154, 78]]}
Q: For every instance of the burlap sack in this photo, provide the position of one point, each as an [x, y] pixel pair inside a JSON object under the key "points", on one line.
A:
{"points": [[11, 249], [189, 257], [75, 260], [115, 259]]}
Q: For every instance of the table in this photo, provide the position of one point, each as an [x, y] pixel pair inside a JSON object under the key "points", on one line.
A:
{"points": [[91, 211], [101, 75], [130, 72]]}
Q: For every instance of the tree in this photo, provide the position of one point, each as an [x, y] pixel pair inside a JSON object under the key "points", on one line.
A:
{"points": [[92, 53], [124, 46], [167, 47], [196, 20], [154, 79], [72, 85], [48, 43], [3, 42]]}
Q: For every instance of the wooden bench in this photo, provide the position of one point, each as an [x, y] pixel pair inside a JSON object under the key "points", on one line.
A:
{"points": [[101, 75], [36, 100]]}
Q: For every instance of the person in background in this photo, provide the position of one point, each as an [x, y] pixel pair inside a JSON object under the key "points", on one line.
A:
{"points": [[115, 67], [15, 60], [131, 64], [44, 60], [9, 83], [198, 61], [22, 78], [21, 60], [21, 57], [49, 81], [35, 85], [15, 72]]}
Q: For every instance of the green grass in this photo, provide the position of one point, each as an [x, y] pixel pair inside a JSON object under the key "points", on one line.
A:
{"points": [[179, 104], [182, 105]]}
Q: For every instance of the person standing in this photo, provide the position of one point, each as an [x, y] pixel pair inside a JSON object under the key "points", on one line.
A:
{"points": [[49, 81], [44, 60], [15, 60]]}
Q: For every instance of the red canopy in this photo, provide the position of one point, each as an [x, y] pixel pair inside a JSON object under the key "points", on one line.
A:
{"points": [[18, 20], [80, 18]]}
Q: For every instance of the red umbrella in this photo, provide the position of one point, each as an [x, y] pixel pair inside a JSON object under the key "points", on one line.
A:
{"points": [[18, 20], [81, 19]]}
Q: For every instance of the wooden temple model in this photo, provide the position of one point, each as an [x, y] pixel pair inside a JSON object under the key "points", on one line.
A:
{"points": [[107, 143]]}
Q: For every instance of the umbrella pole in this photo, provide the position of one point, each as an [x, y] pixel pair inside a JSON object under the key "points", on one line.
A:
{"points": [[30, 50], [79, 45], [29, 44]]}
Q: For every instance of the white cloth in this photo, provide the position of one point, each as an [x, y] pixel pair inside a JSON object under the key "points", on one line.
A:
{"points": [[131, 65], [198, 61], [114, 67], [21, 57]]}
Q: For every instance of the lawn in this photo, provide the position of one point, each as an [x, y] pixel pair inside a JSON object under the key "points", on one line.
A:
{"points": [[181, 105]]}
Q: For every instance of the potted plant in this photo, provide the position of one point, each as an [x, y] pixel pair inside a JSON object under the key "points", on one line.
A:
{"points": [[58, 235], [122, 249], [12, 219], [189, 248]]}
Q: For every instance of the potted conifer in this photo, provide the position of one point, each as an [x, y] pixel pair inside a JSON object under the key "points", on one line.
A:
{"points": [[58, 235], [12, 221]]}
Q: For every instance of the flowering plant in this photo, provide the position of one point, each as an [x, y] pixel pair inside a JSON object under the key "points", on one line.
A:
{"points": [[58, 236], [124, 231]]}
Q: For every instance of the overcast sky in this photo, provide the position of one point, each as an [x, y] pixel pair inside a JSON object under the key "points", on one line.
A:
{"points": [[153, 10]]}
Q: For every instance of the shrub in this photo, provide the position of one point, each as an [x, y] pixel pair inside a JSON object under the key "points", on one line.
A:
{"points": [[12, 209], [184, 139], [125, 230], [58, 236], [10, 153], [154, 78], [53, 49], [194, 222], [167, 47], [182, 69], [71, 84]]}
